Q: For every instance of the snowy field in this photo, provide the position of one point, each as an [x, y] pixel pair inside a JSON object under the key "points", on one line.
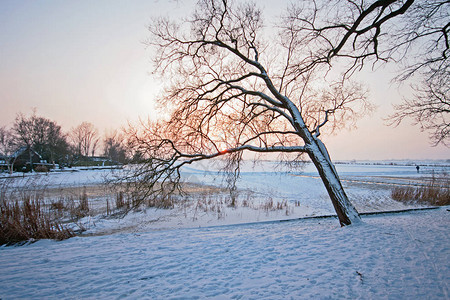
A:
{"points": [[266, 191], [395, 256], [244, 252]]}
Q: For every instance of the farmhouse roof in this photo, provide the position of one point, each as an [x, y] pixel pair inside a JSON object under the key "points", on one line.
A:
{"points": [[23, 149]]}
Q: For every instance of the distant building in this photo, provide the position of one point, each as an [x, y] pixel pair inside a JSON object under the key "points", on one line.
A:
{"points": [[4, 162], [100, 158], [20, 160]]}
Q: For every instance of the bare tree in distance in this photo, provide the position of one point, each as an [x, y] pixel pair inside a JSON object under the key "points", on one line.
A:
{"points": [[85, 138], [50, 141], [42, 135], [94, 146], [232, 86], [25, 131], [114, 147], [7, 147]]}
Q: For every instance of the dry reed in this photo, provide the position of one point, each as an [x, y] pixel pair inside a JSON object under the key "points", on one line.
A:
{"points": [[26, 219]]}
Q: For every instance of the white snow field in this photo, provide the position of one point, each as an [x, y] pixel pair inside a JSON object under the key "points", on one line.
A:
{"points": [[368, 186], [391, 256], [243, 252]]}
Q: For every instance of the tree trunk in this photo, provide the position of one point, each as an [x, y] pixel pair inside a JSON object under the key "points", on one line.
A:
{"points": [[31, 159], [318, 153], [345, 211]]}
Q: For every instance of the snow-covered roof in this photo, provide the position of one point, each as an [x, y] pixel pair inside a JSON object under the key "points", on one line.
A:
{"points": [[22, 149]]}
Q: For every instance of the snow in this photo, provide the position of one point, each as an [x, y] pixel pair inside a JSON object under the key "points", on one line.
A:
{"points": [[67, 178], [392, 256], [369, 188], [367, 185], [245, 252]]}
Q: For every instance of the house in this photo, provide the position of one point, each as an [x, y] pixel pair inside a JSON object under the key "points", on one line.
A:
{"points": [[101, 160], [20, 160], [4, 162]]}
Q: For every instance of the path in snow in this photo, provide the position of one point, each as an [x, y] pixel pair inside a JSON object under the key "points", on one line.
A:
{"points": [[401, 256]]}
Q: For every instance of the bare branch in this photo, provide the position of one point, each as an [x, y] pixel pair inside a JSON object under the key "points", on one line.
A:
{"points": [[229, 90], [430, 108]]}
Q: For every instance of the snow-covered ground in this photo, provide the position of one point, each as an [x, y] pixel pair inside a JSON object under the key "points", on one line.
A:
{"points": [[59, 178], [300, 191], [393, 256], [243, 252]]}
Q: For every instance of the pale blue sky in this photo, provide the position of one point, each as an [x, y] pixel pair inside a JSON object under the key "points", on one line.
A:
{"points": [[84, 60]]}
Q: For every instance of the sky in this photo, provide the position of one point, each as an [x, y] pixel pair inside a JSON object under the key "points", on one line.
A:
{"points": [[78, 61]]}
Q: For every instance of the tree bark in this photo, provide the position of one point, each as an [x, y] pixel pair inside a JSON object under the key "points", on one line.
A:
{"points": [[346, 212], [318, 153]]}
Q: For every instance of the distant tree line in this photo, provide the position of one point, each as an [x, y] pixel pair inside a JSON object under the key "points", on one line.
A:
{"points": [[55, 146]]}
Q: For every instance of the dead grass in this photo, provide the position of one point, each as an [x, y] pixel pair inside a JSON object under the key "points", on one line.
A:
{"points": [[84, 203], [25, 218], [33, 212], [436, 192], [427, 195], [213, 202], [120, 201], [42, 212]]}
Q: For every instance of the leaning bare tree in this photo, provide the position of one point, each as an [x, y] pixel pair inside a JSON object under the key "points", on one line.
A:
{"points": [[234, 85]]}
